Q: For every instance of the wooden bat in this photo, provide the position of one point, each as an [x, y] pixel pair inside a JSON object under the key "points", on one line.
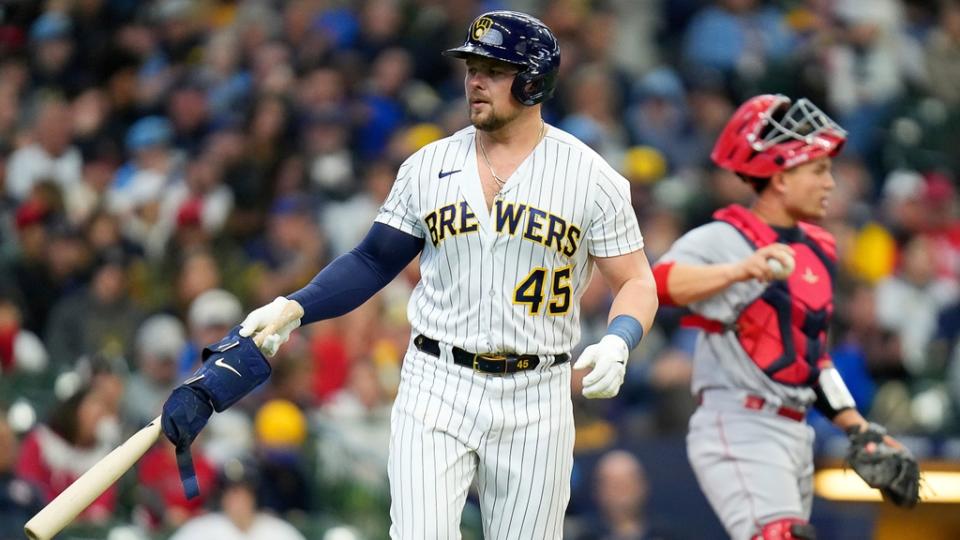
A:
{"points": [[78, 496]]}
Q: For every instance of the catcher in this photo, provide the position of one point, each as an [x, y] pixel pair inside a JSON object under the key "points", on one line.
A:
{"points": [[759, 283]]}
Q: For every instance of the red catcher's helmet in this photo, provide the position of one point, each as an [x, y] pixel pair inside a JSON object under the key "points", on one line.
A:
{"points": [[768, 135]]}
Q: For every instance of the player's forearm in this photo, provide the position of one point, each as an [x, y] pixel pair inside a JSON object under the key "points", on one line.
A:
{"points": [[638, 299], [683, 284]]}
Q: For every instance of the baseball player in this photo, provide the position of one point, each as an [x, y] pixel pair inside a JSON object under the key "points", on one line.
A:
{"points": [[759, 283], [509, 217]]}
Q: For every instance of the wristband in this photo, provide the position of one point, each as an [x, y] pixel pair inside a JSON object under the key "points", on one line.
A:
{"points": [[626, 328]]}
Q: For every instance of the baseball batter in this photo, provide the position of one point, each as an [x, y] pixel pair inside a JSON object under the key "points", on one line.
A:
{"points": [[509, 217], [759, 282]]}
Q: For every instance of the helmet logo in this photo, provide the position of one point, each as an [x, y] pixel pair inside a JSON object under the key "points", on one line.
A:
{"points": [[480, 27]]}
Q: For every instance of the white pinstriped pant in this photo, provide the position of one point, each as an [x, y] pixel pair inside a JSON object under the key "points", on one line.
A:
{"points": [[514, 432]]}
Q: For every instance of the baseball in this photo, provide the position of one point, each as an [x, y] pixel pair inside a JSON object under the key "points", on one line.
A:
{"points": [[779, 271]]}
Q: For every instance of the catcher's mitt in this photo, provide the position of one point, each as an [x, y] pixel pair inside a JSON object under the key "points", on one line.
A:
{"points": [[892, 470]]}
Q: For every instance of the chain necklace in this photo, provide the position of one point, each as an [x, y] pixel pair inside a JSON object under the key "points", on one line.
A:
{"points": [[483, 152]]}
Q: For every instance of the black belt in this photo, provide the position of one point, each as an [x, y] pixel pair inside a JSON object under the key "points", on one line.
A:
{"points": [[486, 362]]}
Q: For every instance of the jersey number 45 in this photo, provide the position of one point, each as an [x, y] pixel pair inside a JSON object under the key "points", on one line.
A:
{"points": [[530, 291]]}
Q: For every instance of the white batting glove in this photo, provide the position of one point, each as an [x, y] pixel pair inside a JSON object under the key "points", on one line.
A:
{"points": [[272, 324], [608, 358]]}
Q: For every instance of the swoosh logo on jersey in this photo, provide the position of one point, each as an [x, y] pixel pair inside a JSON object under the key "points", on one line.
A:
{"points": [[444, 174], [221, 363], [194, 379]]}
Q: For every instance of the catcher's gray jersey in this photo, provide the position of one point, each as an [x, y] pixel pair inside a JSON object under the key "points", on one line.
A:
{"points": [[719, 360], [509, 279], [753, 466]]}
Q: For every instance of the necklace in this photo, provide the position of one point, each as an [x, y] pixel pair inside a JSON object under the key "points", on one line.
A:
{"points": [[483, 152]]}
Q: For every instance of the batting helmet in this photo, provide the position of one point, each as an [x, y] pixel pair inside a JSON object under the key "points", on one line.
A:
{"points": [[768, 134], [521, 40]]}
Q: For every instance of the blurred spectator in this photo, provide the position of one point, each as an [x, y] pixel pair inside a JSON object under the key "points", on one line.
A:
{"points": [[69, 258], [909, 302], [293, 376], [355, 430], [737, 39], [953, 378], [281, 434], [866, 67], [902, 203], [384, 110], [189, 116], [196, 272], [49, 154], [240, 516], [19, 499], [100, 318], [137, 187], [160, 341], [943, 54], [347, 222], [107, 376], [212, 314], [53, 67], [56, 453], [20, 349], [943, 232], [199, 199], [103, 235], [229, 435], [289, 254], [329, 163], [250, 171], [621, 496], [594, 112], [864, 353], [659, 118], [28, 271], [9, 113]]}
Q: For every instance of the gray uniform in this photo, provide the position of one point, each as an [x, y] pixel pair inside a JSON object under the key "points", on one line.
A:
{"points": [[754, 466]]}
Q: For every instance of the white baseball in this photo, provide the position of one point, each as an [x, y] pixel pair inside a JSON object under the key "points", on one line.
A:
{"points": [[780, 271]]}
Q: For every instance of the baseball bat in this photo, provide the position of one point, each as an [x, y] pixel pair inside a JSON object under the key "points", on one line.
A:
{"points": [[67, 505]]}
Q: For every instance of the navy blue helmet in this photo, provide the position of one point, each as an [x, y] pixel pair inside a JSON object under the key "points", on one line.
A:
{"points": [[521, 40]]}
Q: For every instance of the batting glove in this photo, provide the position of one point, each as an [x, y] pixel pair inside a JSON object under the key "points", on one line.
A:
{"points": [[272, 324], [608, 358]]}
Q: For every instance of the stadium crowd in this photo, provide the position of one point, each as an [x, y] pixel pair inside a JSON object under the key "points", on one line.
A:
{"points": [[167, 165]]}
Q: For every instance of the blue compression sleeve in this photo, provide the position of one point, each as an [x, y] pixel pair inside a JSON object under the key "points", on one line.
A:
{"points": [[352, 278]]}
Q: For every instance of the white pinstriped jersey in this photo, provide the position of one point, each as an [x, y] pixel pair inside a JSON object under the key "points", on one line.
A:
{"points": [[509, 279]]}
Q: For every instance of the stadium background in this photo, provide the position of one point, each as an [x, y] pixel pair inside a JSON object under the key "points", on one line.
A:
{"points": [[167, 165]]}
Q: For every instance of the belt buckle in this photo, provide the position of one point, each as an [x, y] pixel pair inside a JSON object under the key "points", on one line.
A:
{"points": [[488, 356]]}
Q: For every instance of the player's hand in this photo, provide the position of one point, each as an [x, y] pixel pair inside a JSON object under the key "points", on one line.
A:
{"points": [[757, 267], [271, 325], [608, 358]]}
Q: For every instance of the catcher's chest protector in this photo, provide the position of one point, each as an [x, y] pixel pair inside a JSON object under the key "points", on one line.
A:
{"points": [[784, 331]]}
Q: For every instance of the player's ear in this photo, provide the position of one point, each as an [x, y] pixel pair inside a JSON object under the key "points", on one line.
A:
{"points": [[778, 182]]}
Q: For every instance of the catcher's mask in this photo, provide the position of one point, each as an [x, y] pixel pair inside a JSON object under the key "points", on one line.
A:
{"points": [[769, 134]]}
